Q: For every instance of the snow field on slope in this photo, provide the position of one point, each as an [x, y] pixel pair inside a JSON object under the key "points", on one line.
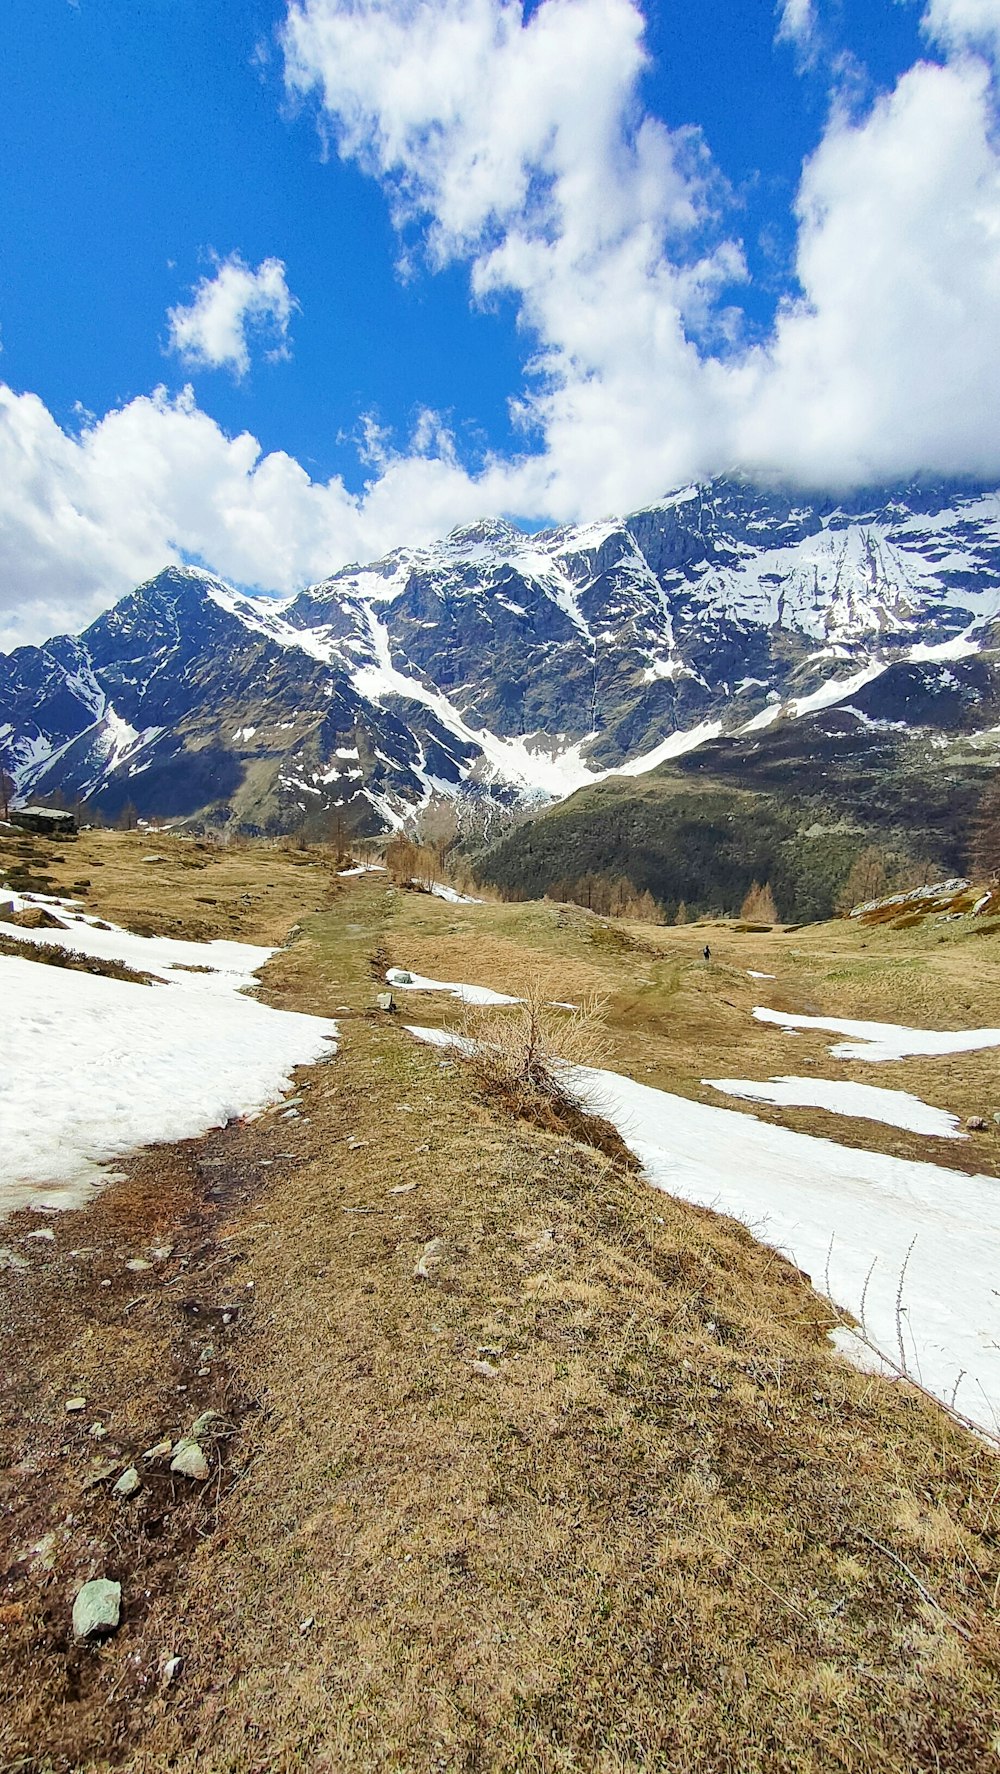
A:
{"points": [[855, 1221], [96, 1067], [864, 1226], [883, 1041], [402, 980], [894, 1108], [230, 966]]}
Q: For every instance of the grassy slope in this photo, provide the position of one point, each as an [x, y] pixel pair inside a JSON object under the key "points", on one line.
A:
{"points": [[670, 1531], [794, 806]]}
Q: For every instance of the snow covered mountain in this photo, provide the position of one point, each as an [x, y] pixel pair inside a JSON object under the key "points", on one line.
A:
{"points": [[518, 665]]}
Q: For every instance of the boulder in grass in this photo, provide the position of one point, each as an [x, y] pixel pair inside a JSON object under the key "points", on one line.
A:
{"points": [[97, 1609], [189, 1461]]}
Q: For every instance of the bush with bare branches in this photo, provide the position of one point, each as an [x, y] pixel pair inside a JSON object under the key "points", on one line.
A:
{"points": [[522, 1052]]}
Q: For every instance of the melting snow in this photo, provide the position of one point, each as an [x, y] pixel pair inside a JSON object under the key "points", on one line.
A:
{"points": [[835, 691], [673, 747], [404, 981], [856, 1222], [884, 1041], [441, 891], [96, 1067], [894, 1108]]}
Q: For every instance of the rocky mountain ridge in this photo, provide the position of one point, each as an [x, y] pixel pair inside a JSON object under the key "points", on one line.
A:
{"points": [[518, 666]]}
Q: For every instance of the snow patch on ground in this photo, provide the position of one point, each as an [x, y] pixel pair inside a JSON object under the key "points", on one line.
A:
{"points": [[884, 1041], [402, 980], [856, 1222], [852, 1220], [441, 890], [894, 1108], [96, 1067]]}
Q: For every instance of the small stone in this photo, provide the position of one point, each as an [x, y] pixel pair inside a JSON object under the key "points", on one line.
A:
{"points": [[76, 1404], [189, 1461], [385, 1001], [398, 976], [403, 1189], [43, 1232], [976, 1124], [307, 1624], [203, 1424], [98, 1431], [137, 1265], [428, 1261], [162, 1253], [105, 1284], [170, 1670], [160, 1451], [129, 1483], [486, 1370], [97, 1608]]}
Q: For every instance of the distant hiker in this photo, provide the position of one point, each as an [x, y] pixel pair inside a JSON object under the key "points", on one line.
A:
{"points": [[706, 951]]}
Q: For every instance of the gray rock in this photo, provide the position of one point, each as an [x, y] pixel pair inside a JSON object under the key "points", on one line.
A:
{"points": [[189, 1460], [385, 1001], [74, 1405], [97, 1608], [170, 1670], [976, 1124], [129, 1483]]}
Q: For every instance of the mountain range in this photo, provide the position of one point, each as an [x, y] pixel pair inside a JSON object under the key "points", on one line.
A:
{"points": [[521, 667]]}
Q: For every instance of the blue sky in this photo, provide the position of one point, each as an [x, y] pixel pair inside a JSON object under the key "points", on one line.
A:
{"points": [[424, 261]]}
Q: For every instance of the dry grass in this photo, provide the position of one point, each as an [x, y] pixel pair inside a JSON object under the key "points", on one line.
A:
{"points": [[54, 955], [196, 890], [674, 1021], [596, 1495]]}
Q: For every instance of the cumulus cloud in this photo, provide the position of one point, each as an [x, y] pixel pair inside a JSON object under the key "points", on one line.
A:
{"points": [[964, 24], [214, 328], [85, 517], [516, 143]]}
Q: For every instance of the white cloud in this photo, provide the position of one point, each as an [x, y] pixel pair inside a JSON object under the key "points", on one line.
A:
{"points": [[964, 24], [519, 145], [84, 518], [797, 23], [889, 362], [212, 330]]}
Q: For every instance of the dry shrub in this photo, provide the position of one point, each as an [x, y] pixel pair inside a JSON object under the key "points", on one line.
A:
{"points": [[520, 1052]]}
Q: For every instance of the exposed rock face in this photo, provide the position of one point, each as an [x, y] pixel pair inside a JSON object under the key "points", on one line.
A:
{"points": [[517, 665]]}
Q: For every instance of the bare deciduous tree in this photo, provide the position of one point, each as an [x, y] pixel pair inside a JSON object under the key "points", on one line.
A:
{"points": [[759, 904]]}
